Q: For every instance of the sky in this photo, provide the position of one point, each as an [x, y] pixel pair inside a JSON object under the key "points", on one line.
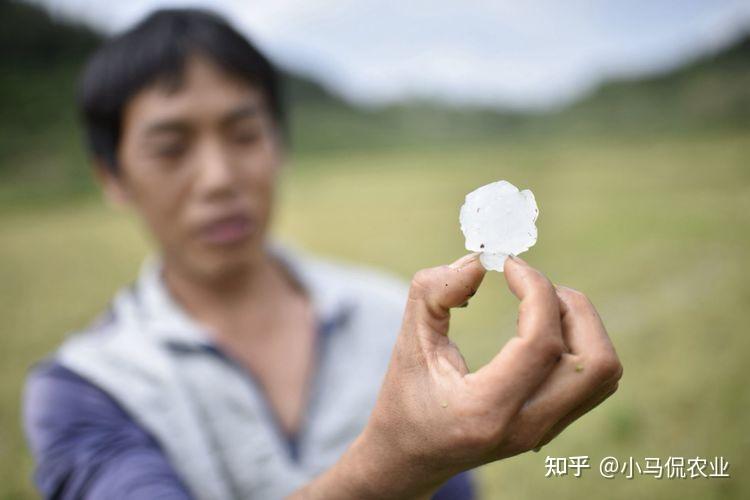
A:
{"points": [[523, 55]]}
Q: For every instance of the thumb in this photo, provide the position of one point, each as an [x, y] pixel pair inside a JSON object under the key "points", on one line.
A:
{"points": [[436, 290]]}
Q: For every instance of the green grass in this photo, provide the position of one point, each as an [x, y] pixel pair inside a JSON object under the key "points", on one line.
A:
{"points": [[657, 233]]}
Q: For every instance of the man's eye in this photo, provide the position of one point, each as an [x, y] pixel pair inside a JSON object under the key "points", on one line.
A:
{"points": [[246, 136], [169, 151]]}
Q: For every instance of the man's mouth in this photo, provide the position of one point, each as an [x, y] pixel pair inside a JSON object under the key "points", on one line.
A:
{"points": [[228, 230]]}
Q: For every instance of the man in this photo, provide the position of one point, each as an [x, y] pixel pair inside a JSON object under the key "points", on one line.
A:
{"points": [[236, 368]]}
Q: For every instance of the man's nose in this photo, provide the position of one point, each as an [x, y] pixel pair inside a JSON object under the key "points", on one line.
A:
{"points": [[217, 176]]}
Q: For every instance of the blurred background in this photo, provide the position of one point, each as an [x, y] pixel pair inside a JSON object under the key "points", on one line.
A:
{"points": [[630, 121]]}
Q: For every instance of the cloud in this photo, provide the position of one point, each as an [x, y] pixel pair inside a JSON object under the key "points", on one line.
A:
{"points": [[499, 53]]}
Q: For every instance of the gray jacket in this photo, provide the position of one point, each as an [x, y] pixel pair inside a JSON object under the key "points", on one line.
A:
{"points": [[208, 414]]}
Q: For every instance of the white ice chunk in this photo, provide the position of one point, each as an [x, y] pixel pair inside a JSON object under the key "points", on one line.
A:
{"points": [[497, 220]]}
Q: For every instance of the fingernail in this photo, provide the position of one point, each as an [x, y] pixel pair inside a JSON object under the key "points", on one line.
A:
{"points": [[516, 258], [464, 260]]}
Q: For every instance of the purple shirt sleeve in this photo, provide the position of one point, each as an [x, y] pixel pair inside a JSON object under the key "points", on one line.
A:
{"points": [[86, 446], [459, 487]]}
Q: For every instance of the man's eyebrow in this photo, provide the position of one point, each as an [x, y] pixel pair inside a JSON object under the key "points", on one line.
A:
{"points": [[166, 126], [249, 110]]}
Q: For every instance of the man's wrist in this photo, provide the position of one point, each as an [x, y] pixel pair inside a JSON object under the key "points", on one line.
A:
{"points": [[371, 469], [377, 469]]}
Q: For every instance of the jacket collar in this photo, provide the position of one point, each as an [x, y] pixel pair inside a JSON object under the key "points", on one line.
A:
{"points": [[159, 314]]}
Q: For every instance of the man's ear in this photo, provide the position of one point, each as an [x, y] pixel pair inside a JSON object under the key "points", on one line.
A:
{"points": [[113, 186]]}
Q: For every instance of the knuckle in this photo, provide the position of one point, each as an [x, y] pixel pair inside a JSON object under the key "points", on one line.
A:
{"points": [[478, 437], [618, 372], [576, 299], [479, 428], [538, 280], [529, 442], [422, 277], [522, 441], [420, 283], [548, 348], [606, 367], [622, 370]]}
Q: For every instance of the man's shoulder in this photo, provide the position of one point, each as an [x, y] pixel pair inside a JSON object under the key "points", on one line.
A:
{"points": [[112, 349], [59, 404], [56, 396], [114, 329], [84, 442]]}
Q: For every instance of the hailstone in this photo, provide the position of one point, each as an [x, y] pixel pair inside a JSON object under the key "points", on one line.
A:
{"points": [[497, 220]]}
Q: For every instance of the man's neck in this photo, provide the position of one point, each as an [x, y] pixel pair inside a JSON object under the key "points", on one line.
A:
{"points": [[251, 294]]}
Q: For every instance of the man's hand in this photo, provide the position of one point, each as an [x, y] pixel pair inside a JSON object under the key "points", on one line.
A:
{"points": [[433, 418]]}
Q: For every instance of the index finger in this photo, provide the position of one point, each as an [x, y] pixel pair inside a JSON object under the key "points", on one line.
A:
{"points": [[526, 360], [539, 310], [583, 329]]}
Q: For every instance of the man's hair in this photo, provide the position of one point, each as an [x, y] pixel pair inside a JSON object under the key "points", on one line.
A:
{"points": [[156, 50]]}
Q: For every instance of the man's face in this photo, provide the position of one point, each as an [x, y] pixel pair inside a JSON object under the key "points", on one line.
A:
{"points": [[199, 164]]}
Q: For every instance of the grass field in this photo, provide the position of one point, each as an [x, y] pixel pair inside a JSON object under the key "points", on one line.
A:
{"points": [[656, 232]]}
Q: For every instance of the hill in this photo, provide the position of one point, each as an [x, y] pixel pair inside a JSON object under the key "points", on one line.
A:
{"points": [[40, 144], [708, 93]]}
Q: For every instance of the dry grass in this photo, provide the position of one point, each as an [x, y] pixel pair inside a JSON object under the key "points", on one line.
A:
{"points": [[655, 233]]}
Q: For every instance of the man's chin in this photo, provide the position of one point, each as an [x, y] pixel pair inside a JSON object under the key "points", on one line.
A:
{"points": [[226, 263]]}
